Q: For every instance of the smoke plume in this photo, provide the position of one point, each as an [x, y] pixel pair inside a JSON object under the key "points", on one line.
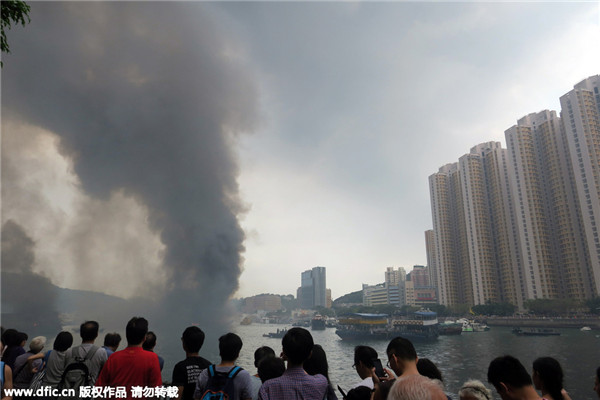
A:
{"points": [[145, 100]]}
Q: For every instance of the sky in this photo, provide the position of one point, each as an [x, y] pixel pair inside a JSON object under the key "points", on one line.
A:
{"points": [[227, 147]]}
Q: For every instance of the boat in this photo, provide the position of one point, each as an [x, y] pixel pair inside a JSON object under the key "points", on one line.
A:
{"points": [[535, 332], [246, 321], [585, 328], [420, 326], [450, 328], [276, 335], [317, 323], [479, 327]]}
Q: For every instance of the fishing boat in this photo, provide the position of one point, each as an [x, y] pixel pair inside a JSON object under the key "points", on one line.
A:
{"points": [[450, 328], [276, 335], [420, 326], [317, 323], [535, 332], [585, 328]]}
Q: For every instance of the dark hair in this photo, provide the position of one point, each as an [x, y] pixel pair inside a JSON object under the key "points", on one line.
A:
{"points": [[149, 342], [427, 368], [270, 367], [262, 352], [598, 373], [10, 337], [317, 362], [365, 355], [359, 393], [136, 330], [551, 375], [89, 330], [508, 370], [193, 339], [402, 348], [112, 339], [22, 337], [230, 345], [297, 345], [63, 341]]}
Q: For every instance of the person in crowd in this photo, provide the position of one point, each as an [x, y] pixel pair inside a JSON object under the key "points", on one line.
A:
{"points": [[270, 368], [415, 387], [427, 368], [5, 376], [510, 379], [88, 332], [11, 338], [474, 390], [364, 357], [597, 382], [548, 378], [111, 343], [132, 366], [402, 359], [186, 372], [317, 364], [149, 345], [57, 359], [359, 393], [23, 371], [295, 383], [259, 355], [230, 346]]}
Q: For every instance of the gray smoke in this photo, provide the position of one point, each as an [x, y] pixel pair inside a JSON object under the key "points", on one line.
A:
{"points": [[147, 99]]}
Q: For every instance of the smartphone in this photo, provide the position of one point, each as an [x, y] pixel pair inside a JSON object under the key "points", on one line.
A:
{"points": [[378, 368]]}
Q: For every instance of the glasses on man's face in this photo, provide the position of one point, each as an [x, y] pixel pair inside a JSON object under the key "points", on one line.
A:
{"points": [[389, 360]]}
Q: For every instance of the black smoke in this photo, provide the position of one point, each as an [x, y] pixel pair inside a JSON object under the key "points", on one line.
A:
{"points": [[147, 98]]}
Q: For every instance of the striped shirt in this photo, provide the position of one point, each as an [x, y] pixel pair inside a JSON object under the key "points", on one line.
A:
{"points": [[294, 384]]}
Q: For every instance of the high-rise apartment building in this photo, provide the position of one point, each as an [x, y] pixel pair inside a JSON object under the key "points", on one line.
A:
{"points": [[521, 223], [313, 288]]}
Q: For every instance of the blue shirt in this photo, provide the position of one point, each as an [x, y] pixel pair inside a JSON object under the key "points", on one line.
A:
{"points": [[294, 384]]}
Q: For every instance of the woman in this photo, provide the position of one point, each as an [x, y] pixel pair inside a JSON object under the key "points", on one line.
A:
{"points": [[548, 378], [317, 364], [56, 359]]}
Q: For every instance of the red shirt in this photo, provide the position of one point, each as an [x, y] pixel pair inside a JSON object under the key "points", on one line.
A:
{"points": [[132, 366]]}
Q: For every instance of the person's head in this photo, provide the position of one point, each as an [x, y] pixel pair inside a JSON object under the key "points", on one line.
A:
{"points": [[548, 377], [508, 375], [136, 330], [297, 345], [401, 354], [597, 382], [11, 337], [363, 360], [262, 352], [22, 338], [427, 368], [63, 341], [415, 387], [270, 367], [89, 331], [112, 340], [149, 342], [359, 393], [474, 390], [317, 362], [37, 344], [230, 345], [192, 339]]}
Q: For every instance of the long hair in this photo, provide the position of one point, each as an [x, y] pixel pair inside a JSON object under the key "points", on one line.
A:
{"points": [[551, 375]]}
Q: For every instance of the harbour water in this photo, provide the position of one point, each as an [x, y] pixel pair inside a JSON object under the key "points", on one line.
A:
{"points": [[459, 358]]}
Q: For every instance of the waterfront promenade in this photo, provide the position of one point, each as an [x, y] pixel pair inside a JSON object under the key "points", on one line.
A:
{"points": [[549, 322]]}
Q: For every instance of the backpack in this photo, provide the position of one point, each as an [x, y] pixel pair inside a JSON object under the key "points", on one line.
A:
{"points": [[77, 372], [220, 384]]}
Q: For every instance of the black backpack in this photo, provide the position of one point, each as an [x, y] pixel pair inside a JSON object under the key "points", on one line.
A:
{"points": [[220, 384], [77, 372]]}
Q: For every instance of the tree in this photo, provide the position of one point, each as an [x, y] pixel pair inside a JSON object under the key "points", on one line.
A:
{"points": [[13, 12]]}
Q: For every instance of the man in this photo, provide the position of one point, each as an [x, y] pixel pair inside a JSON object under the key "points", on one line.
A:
{"points": [[295, 383], [230, 345], [23, 373], [88, 332], [415, 387], [186, 372], [111, 343], [132, 366], [402, 359], [511, 380], [149, 345], [364, 357]]}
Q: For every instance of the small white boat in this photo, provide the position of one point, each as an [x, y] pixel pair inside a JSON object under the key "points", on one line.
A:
{"points": [[586, 328]]}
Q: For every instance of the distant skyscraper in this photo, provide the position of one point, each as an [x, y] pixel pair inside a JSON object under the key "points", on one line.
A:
{"points": [[313, 290]]}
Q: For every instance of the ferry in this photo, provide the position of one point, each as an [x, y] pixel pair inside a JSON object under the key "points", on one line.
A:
{"points": [[317, 323], [421, 326]]}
